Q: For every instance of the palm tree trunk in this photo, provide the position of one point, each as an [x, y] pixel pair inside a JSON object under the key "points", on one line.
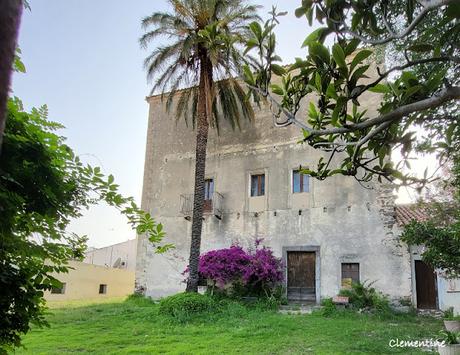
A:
{"points": [[10, 17], [200, 168]]}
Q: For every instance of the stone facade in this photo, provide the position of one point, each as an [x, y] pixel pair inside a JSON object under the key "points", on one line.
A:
{"points": [[338, 219]]}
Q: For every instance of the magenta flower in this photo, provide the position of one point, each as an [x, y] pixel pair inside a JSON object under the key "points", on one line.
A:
{"points": [[257, 268]]}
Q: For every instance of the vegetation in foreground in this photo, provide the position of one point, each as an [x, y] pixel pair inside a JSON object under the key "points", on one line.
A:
{"points": [[137, 326]]}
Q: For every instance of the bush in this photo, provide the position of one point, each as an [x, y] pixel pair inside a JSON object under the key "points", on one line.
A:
{"points": [[185, 305], [364, 296], [329, 307], [239, 273]]}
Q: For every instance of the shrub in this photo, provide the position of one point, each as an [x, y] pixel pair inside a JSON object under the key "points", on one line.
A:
{"points": [[263, 273], [364, 296], [237, 272], [329, 307], [224, 266], [184, 305]]}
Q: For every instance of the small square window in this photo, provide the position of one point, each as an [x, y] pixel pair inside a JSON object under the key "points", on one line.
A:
{"points": [[300, 182], [102, 289], [257, 185], [59, 290], [350, 274]]}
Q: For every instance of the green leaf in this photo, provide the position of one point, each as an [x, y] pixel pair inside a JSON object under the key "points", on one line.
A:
{"points": [[312, 111], [248, 76], [319, 51], [300, 11], [315, 36], [339, 55], [278, 69], [356, 20], [256, 29], [359, 73], [276, 89], [351, 47], [359, 58], [380, 89], [335, 114], [318, 83], [330, 91]]}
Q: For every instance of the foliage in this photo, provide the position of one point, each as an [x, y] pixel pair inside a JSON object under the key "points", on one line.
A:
{"points": [[183, 305], [200, 33], [419, 87], [328, 307], [440, 234], [235, 270], [224, 266], [43, 185], [451, 338], [135, 326], [441, 244], [364, 296], [449, 314]]}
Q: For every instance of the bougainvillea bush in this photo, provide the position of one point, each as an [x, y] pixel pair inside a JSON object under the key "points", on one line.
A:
{"points": [[255, 272]]}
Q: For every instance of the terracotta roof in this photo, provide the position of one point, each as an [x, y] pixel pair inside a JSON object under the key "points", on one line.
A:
{"points": [[407, 213]]}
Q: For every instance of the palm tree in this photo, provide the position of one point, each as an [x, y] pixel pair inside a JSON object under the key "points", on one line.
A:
{"points": [[203, 54], [10, 17]]}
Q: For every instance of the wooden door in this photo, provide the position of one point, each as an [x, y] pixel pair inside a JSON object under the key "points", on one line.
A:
{"points": [[301, 276], [425, 282]]}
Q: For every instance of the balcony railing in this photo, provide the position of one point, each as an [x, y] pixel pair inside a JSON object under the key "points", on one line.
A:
{"points": [[212, 206]]}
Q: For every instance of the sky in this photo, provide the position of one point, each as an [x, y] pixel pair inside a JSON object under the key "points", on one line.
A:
{"points": [[84, 61]]}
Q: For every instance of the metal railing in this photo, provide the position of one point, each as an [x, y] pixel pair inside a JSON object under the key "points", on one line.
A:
{"points": [[213, 206]]}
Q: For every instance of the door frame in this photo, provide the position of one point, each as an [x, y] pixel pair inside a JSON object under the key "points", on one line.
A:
{"points": [[306, 248], [415, 252]]}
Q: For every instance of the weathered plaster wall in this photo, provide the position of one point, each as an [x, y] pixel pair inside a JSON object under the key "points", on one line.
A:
{"points": [[347, 222], [449, 294]]}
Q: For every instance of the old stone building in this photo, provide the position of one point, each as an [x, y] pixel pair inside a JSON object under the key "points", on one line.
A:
{"points": [[327, 232]]}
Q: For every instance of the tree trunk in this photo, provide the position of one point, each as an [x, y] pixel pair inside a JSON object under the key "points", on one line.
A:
{"points": [[10, 17], [200, 168]]}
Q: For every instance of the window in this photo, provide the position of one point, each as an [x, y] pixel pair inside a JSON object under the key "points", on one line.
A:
{"points": [[300, 182], [59, 290], [257, 185], [102, 289], [350, 274], [208, 192], [208, 189]]}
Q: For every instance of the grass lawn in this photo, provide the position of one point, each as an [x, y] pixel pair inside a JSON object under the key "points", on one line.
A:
{"points": [[135, 327]]}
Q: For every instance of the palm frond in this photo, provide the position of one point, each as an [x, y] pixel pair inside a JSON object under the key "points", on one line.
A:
{"points": [[213, 27]]}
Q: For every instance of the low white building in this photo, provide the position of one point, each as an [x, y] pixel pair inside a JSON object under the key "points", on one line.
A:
{"points": [[119, 256]]}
